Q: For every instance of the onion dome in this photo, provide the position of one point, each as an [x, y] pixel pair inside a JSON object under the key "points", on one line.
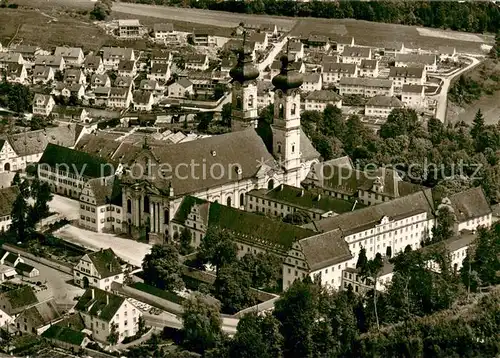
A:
{"points": [[244, 69], [288, 78]]}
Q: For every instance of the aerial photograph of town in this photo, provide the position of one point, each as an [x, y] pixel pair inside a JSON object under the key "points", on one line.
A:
{"points": [[249, 178]]}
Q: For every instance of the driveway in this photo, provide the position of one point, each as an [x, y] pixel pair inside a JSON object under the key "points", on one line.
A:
{"points": [[67, 207], [130, 251]]}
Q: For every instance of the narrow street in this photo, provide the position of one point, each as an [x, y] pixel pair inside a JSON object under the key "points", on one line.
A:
{"points": [[272, 55]]}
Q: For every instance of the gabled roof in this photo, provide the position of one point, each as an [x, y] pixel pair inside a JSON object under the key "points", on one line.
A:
{"points": [[42, 71], [19, 298], [412, 72], [64, 334], [99, 303], [117, 52], [7, 197], [129, 22], [41, 314], [355, 51], [105, 261], [159, 68], [368, 64], [92, 61], [413, 88], [163, 27], [100, 145], [126, 65], [42, 97], [323, 96], [417, 59], [49, 60], [369, 217], [15, 69], [384, 101], [142, 97], [148, 84], [23, 268], [258, 37], [123, 81], [196, 58], [79, 163], [312, 77], [10, 57], [104, 78], [325, 249], [366, 82], [470, 204], [68, 51], [336, 67]]}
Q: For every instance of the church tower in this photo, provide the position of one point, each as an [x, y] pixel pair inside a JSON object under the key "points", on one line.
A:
{"points": [[286, 121], [244, 91]]}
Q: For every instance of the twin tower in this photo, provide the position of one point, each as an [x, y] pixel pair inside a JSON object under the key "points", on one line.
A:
{"points": [[286, 120]]}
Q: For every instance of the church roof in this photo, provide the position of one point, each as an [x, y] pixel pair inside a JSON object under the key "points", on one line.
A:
{"points": [[289, 77]]}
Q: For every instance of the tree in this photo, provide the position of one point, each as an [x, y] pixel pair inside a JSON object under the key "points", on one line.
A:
{"points": [[16, 181], [185, 242], [333, 123], [113, 334], [162, 268], [21, 224], [219, 91], [226, 114], [40, 192], [264, 268], [201, 324], [444, 228], [141, 325], [478, 125], [257, 336], [217, 248], [233, 288], [400, 122], [101, 10], [370, 271]]}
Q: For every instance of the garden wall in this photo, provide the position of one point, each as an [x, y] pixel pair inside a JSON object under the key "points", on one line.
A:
{"points": [[61, 266]]}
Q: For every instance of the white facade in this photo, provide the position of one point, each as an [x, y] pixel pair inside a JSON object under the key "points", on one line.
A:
{"points": [[414, 97], [86, 269], [43, 104], [368, 87]]}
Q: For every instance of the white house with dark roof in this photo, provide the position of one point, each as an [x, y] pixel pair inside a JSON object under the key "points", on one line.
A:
{"points": [[154, 87], [197, 62], [368, 87], [381, 106], [101, 205], [28, 52], [67, 90], [98, 269], [111, 56], [73, 56], [407, 76], [43, 104], [447, 53], [43, 74], [159, 72], [143, 101], [127, 68], [16, 73], [101, 310], [93, 64], [332, 71], [161, 56], [7, 197], [312, 82], [10, 57], [13, 302], [318, 100], [74, 76], [414, 60], [56, 62], [413, 96], [119, 97], [8, 157], [368, 68], [260, 39], [97, 80], [37, 318], [181, 88], [296, 49], [165, 33], [355, 54], [130, 29]]}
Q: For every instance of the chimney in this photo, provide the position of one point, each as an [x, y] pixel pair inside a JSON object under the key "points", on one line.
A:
{"points": [[93, 294]]}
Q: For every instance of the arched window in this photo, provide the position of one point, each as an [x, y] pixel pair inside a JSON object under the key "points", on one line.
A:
{"points": [[228, 201], [293, 148], [279, 148], [239, 102], [270, 184], [294, 108], [242, 199], [146, 204], [129, 206], [281, 112], [250, 102], [166, 216]]}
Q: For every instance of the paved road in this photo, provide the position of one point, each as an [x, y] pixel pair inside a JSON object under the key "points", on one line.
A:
{"points": [[442, 97], [65, 206], [272, 55], [170, 320]]}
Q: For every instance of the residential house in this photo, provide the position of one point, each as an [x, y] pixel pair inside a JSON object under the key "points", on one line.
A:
{"points": [[286, 201], [205, 37], [43, 74], [98, 269], [26, 270], [7, 159], [101, 202], [16, 73], [160, 56], [119, 97], [6, 273], [317, 42], [311, 82], [227, 65], [355, 54], [276, 67], [413, 96], [43, 104], [152, 86], [127, 68], [93, 64], [10, 259], [69, 177], [265, 94], [62, 89], [74, 76], [181, 88], [65, 337], [165, 33], [235, 45], [112, 56], [447, 53], [143, 101], [7, 58], [396, 48], [130, 29], [69, 113], [160, 73], [102, 310], [407, 76], [101, 96], [97, 80], [381, 106], [197, 62], [7, 195], [368, 68], [367, 87], [332, 71], [28, 52], [429, 62], [318, 100], [73, 56], [260, 39], [38, 318], [13, 302], [296, 49], [56, 62], [124, 82]]}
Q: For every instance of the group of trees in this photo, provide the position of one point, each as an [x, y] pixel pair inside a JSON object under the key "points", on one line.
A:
{"points": [[101, 10], [16, 97], [419, 313], [472, 16], [25, 215]]}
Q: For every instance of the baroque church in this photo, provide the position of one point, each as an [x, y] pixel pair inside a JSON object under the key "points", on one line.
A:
{"points": [[222, 168]]}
